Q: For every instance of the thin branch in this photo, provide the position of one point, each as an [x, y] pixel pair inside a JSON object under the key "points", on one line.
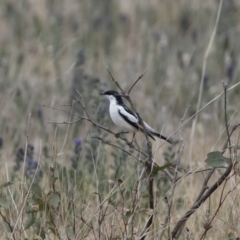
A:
{"points": [[59, 109], [208, 226], [174, 181], [54, 225], [103, 128], [188, 120], [27, 194], [25, 156], [220, 204], [203, 197], [198, 171], [72, 122], [225, 115], [180, 224], [228, 142], [113, 79], [116, 146], [203, 76], [130, 89], [7, 223], [149, 147], [65, 139], [150, 179]]}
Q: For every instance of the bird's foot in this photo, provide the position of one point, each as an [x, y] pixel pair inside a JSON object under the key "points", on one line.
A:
{"points": [[133, 138]]}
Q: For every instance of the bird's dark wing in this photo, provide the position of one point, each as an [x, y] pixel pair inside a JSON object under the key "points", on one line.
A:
{"points": [[131, 118]]}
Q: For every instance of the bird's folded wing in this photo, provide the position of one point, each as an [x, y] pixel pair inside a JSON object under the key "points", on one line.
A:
{"points": [[129, 117], [133, 120]]}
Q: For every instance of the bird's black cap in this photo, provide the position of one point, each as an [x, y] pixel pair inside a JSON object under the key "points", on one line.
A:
{"points": [[115, 94]]}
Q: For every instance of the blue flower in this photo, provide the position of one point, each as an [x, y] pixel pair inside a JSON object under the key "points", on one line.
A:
{"points": [[78, 141], [31, 165], [77, 150], [78, 145]]}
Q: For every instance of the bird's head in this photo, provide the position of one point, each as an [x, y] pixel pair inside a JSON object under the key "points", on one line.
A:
{"points": [[112, 95]]}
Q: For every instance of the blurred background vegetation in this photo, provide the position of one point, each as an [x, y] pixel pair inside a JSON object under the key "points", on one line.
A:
{"points": [[49, 49]]}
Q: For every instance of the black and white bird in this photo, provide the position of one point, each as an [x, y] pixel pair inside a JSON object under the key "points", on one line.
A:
{"points": [[124, 118]]}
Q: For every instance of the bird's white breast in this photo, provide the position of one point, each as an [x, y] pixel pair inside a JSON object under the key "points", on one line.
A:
{"points": [[117, 118]]}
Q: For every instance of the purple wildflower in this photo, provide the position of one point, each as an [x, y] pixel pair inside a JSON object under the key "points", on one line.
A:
{"points": [[77, 150], [78, 141]]}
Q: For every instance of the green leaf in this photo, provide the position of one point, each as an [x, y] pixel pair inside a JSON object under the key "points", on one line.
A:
{"points": [[4, 202], [8, 227], [145, 195], [30, 221], [156, 168], [126, 216], [37, 192], [28, 209], [54, 199], [231, 236], [70, 233], [216, 159]]}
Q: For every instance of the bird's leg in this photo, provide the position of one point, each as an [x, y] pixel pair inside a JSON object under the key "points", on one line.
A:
{"points": [[133, 138], [117, 135]]}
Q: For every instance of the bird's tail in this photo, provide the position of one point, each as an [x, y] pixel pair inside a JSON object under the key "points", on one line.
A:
{"points": [[151, 132], [161, 137]]}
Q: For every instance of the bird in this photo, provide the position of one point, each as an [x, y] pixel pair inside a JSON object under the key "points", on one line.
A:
{"points": [[124, 118]]}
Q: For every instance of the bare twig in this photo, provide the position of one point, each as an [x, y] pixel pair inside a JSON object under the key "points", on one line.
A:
{"points": [[27, 194], [203, 197], [149, 147], [72, 122], [113, 79], [225, 115], [8, 224], [54, 225], [116, 146], [221, 201], [180, 224], [234, 127], [65, 139], [150, 179], [130, 89], [198, 171], [174, 181], [208, 225], [203, 75], [25, 156], [61, 110]]}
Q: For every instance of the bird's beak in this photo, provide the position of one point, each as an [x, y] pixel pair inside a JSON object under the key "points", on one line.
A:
{"points": [[102, 93]]}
